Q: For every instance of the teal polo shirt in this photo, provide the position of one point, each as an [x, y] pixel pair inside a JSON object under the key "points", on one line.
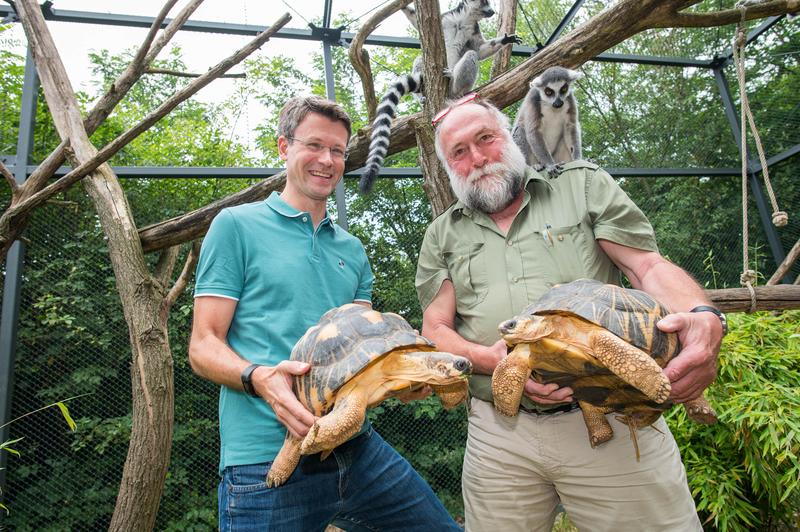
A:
{"points": [[285, 275]]}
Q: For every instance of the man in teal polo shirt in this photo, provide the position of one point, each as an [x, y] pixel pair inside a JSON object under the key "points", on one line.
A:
{"points": [[512, 235], [267, 272]]}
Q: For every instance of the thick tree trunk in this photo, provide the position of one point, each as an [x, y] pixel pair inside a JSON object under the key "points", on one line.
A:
{"points": [[778, 297], [507, 24]]}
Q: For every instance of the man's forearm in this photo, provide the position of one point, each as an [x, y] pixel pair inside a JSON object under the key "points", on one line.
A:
{"points": [[448, 340], [671, 285], [214, 360]]}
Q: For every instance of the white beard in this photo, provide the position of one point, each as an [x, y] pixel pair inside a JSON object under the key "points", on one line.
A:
{"points": [[492, 188]]}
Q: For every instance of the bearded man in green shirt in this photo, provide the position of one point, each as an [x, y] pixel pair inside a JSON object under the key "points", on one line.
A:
{"points": [[511, 236]]}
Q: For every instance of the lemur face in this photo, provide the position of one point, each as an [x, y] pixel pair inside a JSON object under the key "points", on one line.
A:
{"points": [[555, 92], [482, 6]]}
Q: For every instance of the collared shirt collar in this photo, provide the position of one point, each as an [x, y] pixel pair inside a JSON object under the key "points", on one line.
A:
{"points": [[277, 204], [531, 176]]}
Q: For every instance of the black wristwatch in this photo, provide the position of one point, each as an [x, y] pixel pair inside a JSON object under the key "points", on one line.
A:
{"points": [[722, 319], [247, 381]]}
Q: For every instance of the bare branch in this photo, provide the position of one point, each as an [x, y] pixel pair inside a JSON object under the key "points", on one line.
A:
{"points": [[166, 263], [21, 210], [786, 265], [9, 177], [183, 279], [506, 24], [728, 16], [360, 58], [180, 74]]}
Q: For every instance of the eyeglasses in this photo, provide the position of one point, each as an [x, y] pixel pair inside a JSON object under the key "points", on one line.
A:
{"points": [[316, 147], [472, 96]]}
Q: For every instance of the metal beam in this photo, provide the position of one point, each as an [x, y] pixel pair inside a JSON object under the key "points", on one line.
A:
{"points": [[564, 21], [110, 19], [15, 261], [754, 34], [776, 159], [205, 172], [773, 239]]}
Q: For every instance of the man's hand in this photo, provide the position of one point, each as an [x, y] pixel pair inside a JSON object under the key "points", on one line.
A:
{"points": [[274, 384], [545, 394], [695, 367], [406, 396]]}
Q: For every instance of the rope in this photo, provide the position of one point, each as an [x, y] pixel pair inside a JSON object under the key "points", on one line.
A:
{"points": [[779, 218]]}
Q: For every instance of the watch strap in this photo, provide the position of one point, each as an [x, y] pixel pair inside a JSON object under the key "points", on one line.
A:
{"points": [[722, 319], [247, 382]]}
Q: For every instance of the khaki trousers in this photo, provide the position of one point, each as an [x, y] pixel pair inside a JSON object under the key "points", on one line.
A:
{"points": [[517, 470]]}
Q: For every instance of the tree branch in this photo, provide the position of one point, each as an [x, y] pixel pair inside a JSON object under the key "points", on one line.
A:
{"points": [[181, 74], [166, 264], [728, 16], [779, 297], [20, 211], [507, 24], [183, 279], [9, 177], [360, 58], [786, 265]]}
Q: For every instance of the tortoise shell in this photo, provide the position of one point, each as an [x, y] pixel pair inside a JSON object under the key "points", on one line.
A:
{"points": [[345, 341], [628, 313]]}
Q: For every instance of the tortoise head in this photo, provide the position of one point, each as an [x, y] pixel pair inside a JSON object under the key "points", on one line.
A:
{"points": [[429, 367], [525, 329]]}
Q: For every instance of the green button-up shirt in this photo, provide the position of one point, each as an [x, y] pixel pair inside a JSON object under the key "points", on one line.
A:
{"points": [[553, 239]]}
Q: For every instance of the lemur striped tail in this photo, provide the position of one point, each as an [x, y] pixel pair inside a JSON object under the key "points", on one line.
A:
{"points": [[379, 144]]}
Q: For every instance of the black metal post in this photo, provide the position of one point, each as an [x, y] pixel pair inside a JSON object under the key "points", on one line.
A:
{"points": [[774, 241], [330, 91], [9, 320]]}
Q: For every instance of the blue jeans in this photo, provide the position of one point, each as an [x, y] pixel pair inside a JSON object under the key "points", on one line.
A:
{"points": [[363, 485]]}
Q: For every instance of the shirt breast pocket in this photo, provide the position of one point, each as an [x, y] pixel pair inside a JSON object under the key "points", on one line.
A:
{"points": [[568, 247], [467, 267]]}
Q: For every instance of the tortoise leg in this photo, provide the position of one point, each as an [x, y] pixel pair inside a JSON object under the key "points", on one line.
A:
{"points": [[599, 428], [630, 364], [451, 395], [284, 464], [339, 424], [508, 380], [700, 411]]}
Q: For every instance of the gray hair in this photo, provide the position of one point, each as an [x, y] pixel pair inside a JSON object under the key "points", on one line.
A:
{"points": [[296, 109], [502, 121]]}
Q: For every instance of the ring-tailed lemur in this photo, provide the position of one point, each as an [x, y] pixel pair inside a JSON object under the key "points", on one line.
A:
{"points": [[465, 47], [547, 128]]}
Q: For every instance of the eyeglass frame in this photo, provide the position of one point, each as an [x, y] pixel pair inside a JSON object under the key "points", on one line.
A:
{"points": [[310, 146], [467, 98]]}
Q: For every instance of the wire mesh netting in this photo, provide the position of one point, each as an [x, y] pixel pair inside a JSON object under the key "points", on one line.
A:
{"points": [[73, 340]]}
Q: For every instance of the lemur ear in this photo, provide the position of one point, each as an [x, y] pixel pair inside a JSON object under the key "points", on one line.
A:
{"points": [[575, 75], [535, 82]]}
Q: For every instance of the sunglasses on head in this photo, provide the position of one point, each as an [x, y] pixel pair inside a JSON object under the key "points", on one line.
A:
{"points": [[472, 96]]}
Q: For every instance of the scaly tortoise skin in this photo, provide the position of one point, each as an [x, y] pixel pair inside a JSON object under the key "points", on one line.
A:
{"points": [[602, 341], [359, 357]]}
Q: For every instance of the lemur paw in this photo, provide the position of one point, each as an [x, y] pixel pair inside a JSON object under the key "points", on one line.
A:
{"points": [[446, 72], [554, 170], [513, 39]]}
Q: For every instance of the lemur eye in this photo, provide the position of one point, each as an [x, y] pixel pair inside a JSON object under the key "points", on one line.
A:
{"points": [[548, 91], [564, 89]]}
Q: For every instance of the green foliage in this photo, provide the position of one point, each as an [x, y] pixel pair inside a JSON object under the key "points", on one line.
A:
{"points": [[744, 472]]}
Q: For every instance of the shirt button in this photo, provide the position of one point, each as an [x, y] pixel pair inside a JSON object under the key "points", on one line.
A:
{"points": [[305, 219], [560, 238], [510, 242], [515, 279]]}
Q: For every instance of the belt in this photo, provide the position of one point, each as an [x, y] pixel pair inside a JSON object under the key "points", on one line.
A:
{"points": [[557, 410]]}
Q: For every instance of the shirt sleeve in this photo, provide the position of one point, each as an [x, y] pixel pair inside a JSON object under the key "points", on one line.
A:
{"points": [[220, 268], [614, 216], [431, 268], [364, 290]]}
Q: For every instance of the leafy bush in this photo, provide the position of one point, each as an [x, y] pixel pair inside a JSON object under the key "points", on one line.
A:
{"points": [[744, 472]]}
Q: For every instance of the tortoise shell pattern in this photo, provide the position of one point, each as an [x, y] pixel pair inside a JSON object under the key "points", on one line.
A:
{"points": [[344, 342], [628, 313]]}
